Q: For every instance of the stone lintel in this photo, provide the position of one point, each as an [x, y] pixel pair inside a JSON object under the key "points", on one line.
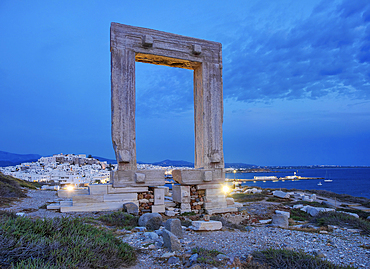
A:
{"points": [[149, 41]]}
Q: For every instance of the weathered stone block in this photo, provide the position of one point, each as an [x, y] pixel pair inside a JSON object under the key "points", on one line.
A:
{"points": [[120, 197], [171, 241], [98, 198], [281, 194], [88, 207], [113, 190], [139, 178], [280, 220], [159, 196], [158, 208], [202, 225], [98, 189], [174, 226], [181, 194]]}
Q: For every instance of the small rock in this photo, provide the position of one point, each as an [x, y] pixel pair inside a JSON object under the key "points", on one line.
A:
{"points": [[173, 260], [281, 194], [151, 235], [194, 257], [221, 257], [151, 246], [152, 221], [168, 255], [131, 208], [323, 232], [139, 229]]}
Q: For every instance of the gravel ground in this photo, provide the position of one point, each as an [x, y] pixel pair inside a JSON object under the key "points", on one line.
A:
{"points": [[341, 246]]}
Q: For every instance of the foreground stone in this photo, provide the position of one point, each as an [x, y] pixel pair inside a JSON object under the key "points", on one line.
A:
{"points": [[202, 225], [314, 211], [171, 241], [131, 208], [152, 221], [281, 194], [280, 220], [174, 226]]}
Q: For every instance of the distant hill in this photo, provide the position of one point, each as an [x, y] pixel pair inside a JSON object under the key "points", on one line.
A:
{"points": [[111, 161], [11, 159], [240, 165], [174, 163]]}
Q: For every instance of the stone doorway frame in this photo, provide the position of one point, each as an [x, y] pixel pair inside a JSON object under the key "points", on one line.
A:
{"points": [[129, 44]]}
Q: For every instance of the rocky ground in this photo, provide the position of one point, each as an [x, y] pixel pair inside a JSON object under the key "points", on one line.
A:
{"points": [[340, 246]]}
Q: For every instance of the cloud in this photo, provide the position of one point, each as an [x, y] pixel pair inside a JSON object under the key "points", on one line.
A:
{"points": [[269, 55], [326, 52]]}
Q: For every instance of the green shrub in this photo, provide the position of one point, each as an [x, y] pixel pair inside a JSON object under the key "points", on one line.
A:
{"points": [[208, 256], [342, 220], [360, 213], [283, 258], [120, 219], [297, 214], [59, 243], [248, 197]]}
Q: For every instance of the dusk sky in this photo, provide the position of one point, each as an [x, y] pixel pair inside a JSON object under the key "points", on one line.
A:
{"points": [[296, 79]]}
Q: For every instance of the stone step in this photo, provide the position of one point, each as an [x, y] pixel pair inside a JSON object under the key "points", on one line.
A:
{"points": [[89, 207]]}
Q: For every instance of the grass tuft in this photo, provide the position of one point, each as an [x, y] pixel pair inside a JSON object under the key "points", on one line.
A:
{"points": [[120, 219], [59, 243], [342, 220], [248, 197], [283, 258]]}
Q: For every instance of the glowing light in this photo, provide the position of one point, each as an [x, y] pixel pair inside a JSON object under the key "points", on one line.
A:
{"points": [[225, 189], [70, 188]]}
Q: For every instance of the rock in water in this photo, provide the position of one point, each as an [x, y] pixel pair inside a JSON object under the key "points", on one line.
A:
{"points": [[174, 226], [152, 221]]}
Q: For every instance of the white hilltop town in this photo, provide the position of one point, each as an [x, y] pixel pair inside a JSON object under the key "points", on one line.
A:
{"points": [[69, 170]]}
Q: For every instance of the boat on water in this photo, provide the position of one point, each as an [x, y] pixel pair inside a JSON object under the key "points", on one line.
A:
{"points": [[319, 184], [328, 180]]}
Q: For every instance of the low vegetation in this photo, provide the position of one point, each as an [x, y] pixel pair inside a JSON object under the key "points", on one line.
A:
{"points": [[208, 256], [283, 258], [248, 197], [120, 220], [12, 188], [299, 215], [270, 258], [343, 197], [360, 213], [59, 243], [342, 220], [228, 224]]}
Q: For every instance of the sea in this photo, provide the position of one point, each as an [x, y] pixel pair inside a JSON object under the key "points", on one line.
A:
{"points": [[352, 181]]}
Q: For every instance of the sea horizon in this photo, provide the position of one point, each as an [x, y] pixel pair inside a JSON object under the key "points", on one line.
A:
{"points": [[352, 181]]}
